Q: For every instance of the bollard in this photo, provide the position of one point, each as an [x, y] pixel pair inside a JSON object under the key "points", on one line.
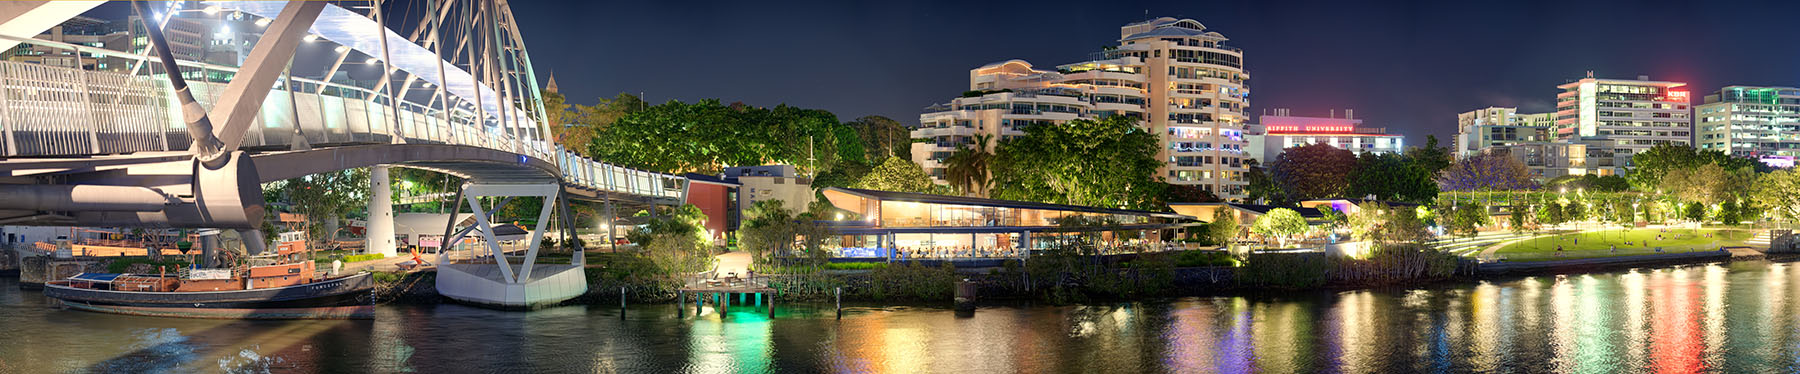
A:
{"points": [[965, 296], [838, 293]]}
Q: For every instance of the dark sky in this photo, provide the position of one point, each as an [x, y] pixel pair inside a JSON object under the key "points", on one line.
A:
{"points": [[1409, 66]]}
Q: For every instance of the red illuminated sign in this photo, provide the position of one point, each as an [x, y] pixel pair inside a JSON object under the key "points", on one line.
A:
{"points": [[1315, 128], [1678, 95]]}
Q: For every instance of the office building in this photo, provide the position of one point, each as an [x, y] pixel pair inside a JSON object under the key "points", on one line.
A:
{"points": [[1545, 160], [1750, 121], [1497, 126], [1618, 118]]}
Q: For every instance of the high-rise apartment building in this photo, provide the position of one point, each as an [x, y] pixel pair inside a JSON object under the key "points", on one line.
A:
{"points": [[1496, 126], [1750, 121], [1618, 118], [1181, 81]]}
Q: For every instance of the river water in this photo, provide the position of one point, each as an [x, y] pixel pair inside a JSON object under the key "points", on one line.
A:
{"points": [[1740, 317]]}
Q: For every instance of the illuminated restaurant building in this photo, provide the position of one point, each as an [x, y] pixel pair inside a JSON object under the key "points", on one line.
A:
{"points": [[903, 226], [1281, 131]]}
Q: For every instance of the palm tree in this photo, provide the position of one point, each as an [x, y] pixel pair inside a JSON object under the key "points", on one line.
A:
{"points": [[967, 168]]}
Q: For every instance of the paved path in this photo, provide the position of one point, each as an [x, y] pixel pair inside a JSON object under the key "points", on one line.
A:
{"points": [[732, 262]]}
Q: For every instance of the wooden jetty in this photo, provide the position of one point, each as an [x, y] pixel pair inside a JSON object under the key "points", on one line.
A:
{"points": [[720, 289]]}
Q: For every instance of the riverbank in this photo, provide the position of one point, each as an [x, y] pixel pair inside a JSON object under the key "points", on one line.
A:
{"points": [[1118, 281]]}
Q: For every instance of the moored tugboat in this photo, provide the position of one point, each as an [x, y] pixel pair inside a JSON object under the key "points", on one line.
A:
{"points": [[277, 285]]}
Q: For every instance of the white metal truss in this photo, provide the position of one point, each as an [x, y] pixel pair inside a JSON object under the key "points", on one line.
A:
{"points": [[472, 194]]}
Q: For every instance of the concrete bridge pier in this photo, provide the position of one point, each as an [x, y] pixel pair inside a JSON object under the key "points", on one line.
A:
{"points": [[380, 228]]}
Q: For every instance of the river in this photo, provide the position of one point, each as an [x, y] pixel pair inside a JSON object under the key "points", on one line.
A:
{"points": [[1739, 317]]}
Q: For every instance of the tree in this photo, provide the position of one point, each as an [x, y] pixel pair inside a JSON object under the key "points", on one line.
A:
{"points": [[896, 174], [1108, 163], [1314, 171], [1516, 219], [1550, 214], [883, 137], [1775, 192], [1393, 177], [967, 168], [1381, 224], [1262, 185], [1183, 193], [1224, 226], [1707, 183], [1730, 212], [576, 126], [1467, 218], [768, 230], [322, 198], [1486, 172], [1695, 212], [1574, 211], [1651, 166], [1431, 158], [1281, 223], [707, 136]]}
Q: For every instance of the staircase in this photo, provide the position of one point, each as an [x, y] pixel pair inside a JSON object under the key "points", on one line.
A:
{"points": [[1761, 240], [1467, 246]]}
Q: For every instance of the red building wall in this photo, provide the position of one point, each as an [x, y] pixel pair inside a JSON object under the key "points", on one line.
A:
{"points": [[711, 198]]}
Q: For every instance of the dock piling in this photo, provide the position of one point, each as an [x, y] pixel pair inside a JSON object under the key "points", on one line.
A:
{"points": [[838, 294], [680, 304], [771, 305], [621, 302]]}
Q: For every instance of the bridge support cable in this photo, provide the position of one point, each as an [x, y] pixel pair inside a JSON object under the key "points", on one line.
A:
{"points": [[199, 127]]}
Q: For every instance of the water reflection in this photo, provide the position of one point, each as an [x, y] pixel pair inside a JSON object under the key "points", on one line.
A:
{"points": [[1730, 318]]}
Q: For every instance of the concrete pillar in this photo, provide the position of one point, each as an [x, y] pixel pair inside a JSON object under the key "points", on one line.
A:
{"points": [[381, 212]]}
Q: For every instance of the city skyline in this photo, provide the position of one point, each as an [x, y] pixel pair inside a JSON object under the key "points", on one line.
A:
{"points": [[901, 58]]}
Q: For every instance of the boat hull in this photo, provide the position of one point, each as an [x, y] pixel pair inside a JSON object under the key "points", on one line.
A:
{"points": [[332, 292], [329, 312]]}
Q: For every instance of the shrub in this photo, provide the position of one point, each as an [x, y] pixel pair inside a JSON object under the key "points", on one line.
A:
{"points": [[360, 258], [1188, 259], [1284, 270], [856, 265], [911, 280]]}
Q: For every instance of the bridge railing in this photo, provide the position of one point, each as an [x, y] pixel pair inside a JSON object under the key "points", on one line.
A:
{"points": [[67, 111]]}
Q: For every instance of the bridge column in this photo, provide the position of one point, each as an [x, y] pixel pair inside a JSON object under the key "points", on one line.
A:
{"points": [[381, 212]]}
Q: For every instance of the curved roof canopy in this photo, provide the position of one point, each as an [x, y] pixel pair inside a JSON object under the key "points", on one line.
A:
{"points": [[358, 32]]}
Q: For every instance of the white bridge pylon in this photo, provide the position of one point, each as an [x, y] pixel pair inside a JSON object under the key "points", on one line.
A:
{"points": [[473, 193], [499, 284]]}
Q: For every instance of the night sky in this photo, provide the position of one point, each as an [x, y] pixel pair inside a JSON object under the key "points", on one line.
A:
{"points": [[1408, 66]]}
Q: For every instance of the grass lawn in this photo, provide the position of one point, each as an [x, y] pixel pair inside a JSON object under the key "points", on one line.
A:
{"points": [[1601, 243]]}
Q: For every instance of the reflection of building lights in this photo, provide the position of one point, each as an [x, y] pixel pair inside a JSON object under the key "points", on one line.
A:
{"points": [[262, 22], [210, 10], [371, 60], [311, 38], [340, 49]]}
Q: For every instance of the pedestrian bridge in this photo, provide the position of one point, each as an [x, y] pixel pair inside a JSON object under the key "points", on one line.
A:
{"points": [[115, 140]]}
